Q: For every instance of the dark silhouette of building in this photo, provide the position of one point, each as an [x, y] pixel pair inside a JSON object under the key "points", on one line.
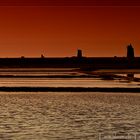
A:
{"points": [[86, 63], [22, 57], [79, 53], [130, 56], [130, 52], [42, 56]]}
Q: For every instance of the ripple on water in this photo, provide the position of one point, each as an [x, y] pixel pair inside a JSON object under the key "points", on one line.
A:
{"points": [[67, 115]]}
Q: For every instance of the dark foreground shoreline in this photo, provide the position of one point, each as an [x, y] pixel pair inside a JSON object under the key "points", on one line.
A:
{"points": [[69, 89]]}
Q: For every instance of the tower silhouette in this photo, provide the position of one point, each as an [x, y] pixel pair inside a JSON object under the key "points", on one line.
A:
{"points": [[130, 52], [79, 53], [130, 56]]}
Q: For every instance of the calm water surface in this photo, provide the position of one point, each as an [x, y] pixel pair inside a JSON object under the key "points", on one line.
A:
{"points": [[57, 82], [65, 82], [60, 116]]}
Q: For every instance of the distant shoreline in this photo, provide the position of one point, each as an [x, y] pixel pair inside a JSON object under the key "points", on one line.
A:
{"points": [[70, 89], [76, 62]]}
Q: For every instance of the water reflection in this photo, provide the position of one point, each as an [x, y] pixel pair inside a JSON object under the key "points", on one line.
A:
{"points": [[65, 82], [56, 82]]}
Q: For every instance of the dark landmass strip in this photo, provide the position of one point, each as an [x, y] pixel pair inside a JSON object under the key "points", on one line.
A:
{"points": [[85, 63], [70, 89]]}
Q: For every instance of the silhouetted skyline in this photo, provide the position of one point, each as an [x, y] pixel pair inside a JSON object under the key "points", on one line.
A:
{"points": [[77, 61]]}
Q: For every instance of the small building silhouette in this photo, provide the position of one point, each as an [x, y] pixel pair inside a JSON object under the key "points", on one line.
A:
{"points": [[42, 56], [79, 53], [22, 57], [130, 52]]}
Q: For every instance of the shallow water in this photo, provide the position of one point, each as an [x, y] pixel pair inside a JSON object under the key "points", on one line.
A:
{"points": [[58, 116], [61, 116], [65, 82], [57, 82]]}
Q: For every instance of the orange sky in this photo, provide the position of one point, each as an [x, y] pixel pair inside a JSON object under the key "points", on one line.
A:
{"points": [[60, 31]]}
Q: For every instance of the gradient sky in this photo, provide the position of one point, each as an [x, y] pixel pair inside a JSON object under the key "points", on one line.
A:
{"points": [[61, 30]]}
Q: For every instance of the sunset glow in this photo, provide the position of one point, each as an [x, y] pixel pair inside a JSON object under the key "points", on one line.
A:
{"points": [[61, 30]]}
